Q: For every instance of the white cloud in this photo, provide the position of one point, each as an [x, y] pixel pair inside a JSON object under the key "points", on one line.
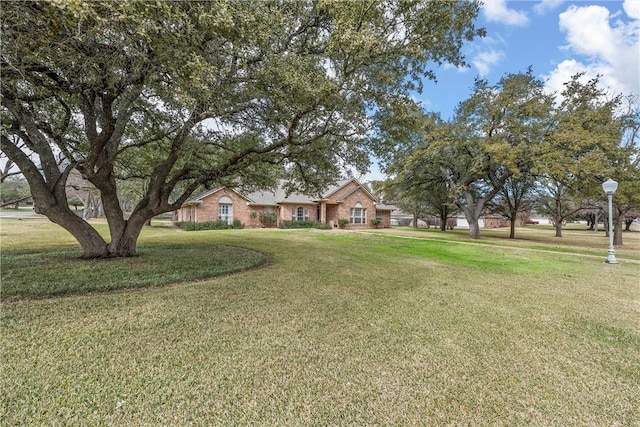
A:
{"points": [[562, 74], [484, 60], [588, 31], [497, 11], [610, 48], [632, 8], [546, 5]]}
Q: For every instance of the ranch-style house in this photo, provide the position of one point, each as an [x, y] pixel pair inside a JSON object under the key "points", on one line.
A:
{"points": [[348, 200]]}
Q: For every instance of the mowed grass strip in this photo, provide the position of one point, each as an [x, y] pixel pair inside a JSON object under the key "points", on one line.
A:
{"points": [[57, 270], [576, 239], [342, 329]]}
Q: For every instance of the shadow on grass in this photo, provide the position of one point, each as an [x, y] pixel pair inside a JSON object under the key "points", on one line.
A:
{"points": [[59, 271]]}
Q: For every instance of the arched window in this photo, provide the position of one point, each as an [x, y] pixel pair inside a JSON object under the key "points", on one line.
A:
{"points": [[358, 214], [225, 209]]}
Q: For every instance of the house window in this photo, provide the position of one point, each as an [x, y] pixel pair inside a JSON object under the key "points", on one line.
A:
{"points": [[300, 214], [225, 210], [358, 215]]}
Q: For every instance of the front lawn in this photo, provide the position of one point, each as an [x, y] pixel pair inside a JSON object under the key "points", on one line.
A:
{"points": [[341, 329], [33, 269]]}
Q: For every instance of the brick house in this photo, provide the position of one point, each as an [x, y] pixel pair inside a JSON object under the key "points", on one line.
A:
{"points": [[348, 199]]}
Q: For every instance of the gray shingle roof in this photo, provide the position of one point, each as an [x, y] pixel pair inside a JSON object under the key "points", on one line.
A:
{"points": [[278, 195], [382, 207]]}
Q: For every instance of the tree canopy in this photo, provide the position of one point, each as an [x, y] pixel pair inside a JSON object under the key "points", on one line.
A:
{"points": [[509, 139], [179, 95], [490, 140]]}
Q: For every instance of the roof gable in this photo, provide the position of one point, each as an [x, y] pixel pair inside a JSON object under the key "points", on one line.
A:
{"points": [[339, 185], [344, 183], [356, 189], [214, 191]]}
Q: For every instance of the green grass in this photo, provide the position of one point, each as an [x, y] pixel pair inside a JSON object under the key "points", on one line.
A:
{"points": [[576, 239], [341, 329], [44, 272]]}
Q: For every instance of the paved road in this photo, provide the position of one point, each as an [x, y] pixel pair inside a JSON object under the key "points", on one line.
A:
{"points": [[20, 214]]}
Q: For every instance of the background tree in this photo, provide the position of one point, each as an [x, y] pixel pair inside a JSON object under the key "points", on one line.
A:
{"points": [[13, 191], [79, 189], [493, 137], [556, 200], [514, 199], [593, 212], [511, 139], [191, 94], [416, 187], [631, 216], [379, 188], [579, 151], [422, 185], [408, 199], [8, 167], [626, 168]]}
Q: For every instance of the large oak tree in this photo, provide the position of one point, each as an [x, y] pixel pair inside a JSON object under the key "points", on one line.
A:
{"points": [[491, 139], [180, 95], [585, 145], [512, 139]]}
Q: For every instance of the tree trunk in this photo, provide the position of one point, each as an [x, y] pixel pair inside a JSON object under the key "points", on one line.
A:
{"points": [[125, 244], [124, 234], [627, 224], [92, 243], [513, 218], [474, 228], [472, 210], [444, 217], [558, 225], [617, 229], [50, 199], [558, 218]]}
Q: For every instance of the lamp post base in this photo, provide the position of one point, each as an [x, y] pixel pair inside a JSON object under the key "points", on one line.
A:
{"points": [[611, 259]]}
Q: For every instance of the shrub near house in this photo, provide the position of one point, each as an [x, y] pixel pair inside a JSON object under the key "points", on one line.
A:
{"points": [[210, 225], [348, 199]]}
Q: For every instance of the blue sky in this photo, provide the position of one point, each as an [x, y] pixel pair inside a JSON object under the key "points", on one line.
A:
{"points": [[556, 38]]}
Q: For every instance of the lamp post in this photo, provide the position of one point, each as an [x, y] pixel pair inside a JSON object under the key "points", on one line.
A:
{"points": [[610, 187]]}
